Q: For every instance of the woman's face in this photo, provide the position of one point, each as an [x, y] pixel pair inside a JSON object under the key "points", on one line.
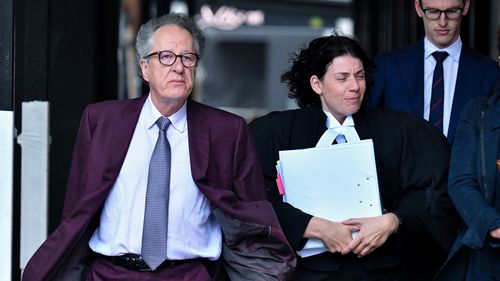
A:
{"points": [[342, 88]]}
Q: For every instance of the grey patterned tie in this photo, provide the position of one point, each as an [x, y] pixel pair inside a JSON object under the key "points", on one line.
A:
{"points": [[154, 236]]}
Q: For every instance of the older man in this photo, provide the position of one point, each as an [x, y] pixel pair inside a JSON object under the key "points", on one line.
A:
{"points": [[162, 187]]}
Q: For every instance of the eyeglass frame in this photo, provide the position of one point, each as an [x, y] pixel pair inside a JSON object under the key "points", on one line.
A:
{"points": [[175, 57], [441, 12]]}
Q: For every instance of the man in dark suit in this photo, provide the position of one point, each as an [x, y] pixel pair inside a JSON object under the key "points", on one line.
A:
{"points": [[404, 81], [328, 79], [217, 223], [404, 78]]}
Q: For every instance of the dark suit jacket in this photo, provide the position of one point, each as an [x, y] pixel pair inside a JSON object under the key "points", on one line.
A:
{"points": [[399, 81], [224, 167], [474, 184], [412, 179]]}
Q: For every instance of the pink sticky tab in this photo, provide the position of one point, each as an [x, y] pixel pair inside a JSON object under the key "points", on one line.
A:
{"points": [[279, 182]]}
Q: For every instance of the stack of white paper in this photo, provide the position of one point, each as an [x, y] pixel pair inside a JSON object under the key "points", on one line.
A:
{"points": [[336, 183]]}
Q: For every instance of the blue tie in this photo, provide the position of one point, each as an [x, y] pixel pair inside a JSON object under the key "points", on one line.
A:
{"points": [[340, 139], [154, 236], [437, 98]]}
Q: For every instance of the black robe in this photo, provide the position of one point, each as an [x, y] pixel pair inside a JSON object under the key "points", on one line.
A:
{"points": [[412, 160]]}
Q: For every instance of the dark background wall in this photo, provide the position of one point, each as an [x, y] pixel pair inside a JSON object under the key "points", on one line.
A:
{"points": [[6, 54], [64, 53]]}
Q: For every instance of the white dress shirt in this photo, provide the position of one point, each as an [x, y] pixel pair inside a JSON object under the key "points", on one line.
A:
{"points": [[192, 228], [450, 70]]}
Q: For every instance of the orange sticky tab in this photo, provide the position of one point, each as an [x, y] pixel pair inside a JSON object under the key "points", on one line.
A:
{"points": [[279, 182]]}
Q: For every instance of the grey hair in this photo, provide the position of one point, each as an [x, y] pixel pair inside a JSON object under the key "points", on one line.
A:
{"points": [[144, 38]]}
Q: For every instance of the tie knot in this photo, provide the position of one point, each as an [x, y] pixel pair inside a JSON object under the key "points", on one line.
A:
{"points": [[163, 123], [440, 56]]}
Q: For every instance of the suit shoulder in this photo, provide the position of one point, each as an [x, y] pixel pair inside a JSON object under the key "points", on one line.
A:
{"points": [[111, 107], [211, 113], [393, 116], [284, 118], [477, 56], [382, 112], [111, 104], [404, 122], [415, 48], [471, 57]]}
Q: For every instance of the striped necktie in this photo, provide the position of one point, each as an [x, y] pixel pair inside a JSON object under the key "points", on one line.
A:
{"points": [[437, 98]]}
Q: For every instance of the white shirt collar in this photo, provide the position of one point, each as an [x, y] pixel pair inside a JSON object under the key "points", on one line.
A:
{"points": [[334, 129], [177, 120], [453, 50], [331, 122]]}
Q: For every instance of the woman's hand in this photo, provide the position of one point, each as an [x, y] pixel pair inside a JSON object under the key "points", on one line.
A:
{"points": [[335, 235], [373, 233]]}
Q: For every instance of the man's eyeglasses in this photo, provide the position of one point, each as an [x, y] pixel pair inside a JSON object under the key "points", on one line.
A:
{"points": [[434, 14], [168, 58]]}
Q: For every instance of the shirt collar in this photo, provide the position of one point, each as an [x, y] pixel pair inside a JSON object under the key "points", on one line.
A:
{"points": [[177, 120], [331, 122], [453, 50]]}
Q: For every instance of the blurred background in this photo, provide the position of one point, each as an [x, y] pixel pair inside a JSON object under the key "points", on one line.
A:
{"points": [[71, 53]]}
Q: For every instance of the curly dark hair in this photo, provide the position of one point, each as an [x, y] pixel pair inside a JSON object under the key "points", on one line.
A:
{"points": [[315, 59]]}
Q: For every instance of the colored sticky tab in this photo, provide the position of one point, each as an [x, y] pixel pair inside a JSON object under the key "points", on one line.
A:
{"points": [[279, 182]]}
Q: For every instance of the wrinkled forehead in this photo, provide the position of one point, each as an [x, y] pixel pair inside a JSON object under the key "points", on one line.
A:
{"points": [[173, 38]]}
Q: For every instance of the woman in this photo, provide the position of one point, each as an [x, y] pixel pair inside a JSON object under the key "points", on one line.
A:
{"points": [[328, 79]]}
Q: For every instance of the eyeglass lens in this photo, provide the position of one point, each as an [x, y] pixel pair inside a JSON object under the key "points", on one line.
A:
{"points": [[435, 14], [169, 58]]}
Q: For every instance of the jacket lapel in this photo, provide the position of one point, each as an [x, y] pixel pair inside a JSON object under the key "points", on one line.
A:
{"points": [[469, 78], [123, 130], [319, 118], [411, 66], [306, 128], [199, 140], [362, 124]]}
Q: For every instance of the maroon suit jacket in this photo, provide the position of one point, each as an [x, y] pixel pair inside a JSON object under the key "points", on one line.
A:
{"points": [[224, 166]]}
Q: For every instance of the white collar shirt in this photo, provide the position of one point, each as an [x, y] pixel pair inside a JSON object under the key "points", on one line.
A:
{"points": [[450, 70], [192, 228]]}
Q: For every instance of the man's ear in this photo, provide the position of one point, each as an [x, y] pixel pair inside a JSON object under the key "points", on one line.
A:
{"points": [[418, 9], [466, 7], [144, 70]]}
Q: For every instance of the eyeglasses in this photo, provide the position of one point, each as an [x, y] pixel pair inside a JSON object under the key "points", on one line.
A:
{"points": [[168, 58], [451, 14]]}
